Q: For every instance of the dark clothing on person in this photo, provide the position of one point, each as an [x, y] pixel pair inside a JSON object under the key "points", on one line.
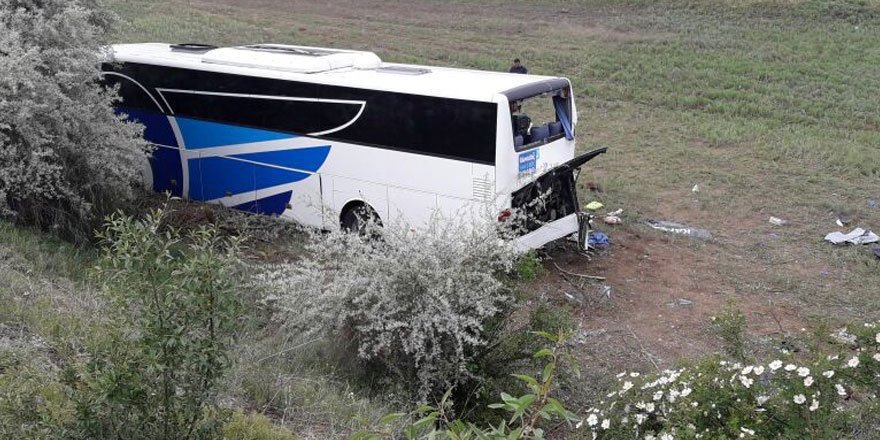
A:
{"points": [[518, 69]]}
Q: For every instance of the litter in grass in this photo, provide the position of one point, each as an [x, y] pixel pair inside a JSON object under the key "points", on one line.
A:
{"points": [[857, 236], [873, 204], [681, 302], [594, 205], [696, 188], [598, 239], [877, 252], [680, 229], [612, 220], [777, 221]]}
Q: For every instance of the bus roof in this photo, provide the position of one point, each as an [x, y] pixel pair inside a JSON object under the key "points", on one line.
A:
{"points": [[346, 68]]}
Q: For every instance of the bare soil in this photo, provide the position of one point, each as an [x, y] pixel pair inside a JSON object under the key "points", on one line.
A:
{"points": [[663, 295]]}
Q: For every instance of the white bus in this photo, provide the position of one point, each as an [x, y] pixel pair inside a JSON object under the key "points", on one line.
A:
{"points": [[327, 137]]}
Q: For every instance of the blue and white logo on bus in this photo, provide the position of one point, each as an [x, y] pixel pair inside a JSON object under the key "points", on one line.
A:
{"points": [[528, 162]]}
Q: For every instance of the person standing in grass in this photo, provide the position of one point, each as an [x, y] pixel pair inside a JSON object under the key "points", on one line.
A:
{"points": [[517, 67]]}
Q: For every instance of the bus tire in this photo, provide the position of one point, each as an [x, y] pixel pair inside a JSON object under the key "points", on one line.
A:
{"points": [[355, 218]]}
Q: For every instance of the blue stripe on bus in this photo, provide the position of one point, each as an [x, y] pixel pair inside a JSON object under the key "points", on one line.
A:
{"points": [[217, 177], [274, 205], [165, 163], [203, 134], [307, 159]]}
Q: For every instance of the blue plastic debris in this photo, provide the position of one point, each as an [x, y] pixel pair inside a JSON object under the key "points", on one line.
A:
{"points": [[598, 239]]}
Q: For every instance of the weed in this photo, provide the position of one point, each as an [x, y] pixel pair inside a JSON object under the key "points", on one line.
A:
{"points": [[730, 325]]}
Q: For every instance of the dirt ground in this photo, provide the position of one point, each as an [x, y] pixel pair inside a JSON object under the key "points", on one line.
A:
{"points": [[663, 296]]}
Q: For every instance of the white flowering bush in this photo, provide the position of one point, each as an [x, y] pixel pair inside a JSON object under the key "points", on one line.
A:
{"points": [[414, 301], [66, 159], [786, 398]]}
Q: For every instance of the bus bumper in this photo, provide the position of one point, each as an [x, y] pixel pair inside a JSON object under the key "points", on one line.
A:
{"points": [[578, 222]]}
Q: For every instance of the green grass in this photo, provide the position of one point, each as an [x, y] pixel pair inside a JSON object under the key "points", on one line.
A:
{"points": [[771, 106]]}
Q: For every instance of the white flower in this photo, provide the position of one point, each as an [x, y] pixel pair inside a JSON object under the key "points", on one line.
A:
{"points": [[876, 357], [658, 395], [579, 424], [748, 369], [759, 370], [685, 392], [800, 399], [626, 386], [649, 407], [640, 418], [803, 371], [650, 437], [694, 404], [790, 367], [854, 362], [592, 420], [634, 374], [833, 358], [829, 374], [746, 381], [877, 338], [762, 399], [747, 430], [667, 436], [775, 365], [841, 391], [619, 375], [808, 381], [607, 423], [815, 405]]}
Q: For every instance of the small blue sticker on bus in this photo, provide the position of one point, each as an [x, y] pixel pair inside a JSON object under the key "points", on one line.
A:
{"points": [[528, 162]]}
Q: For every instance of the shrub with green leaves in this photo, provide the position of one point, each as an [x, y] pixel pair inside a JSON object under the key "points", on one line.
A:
{"points": [[66, 159], [415, 302], [176, 299], [523, 415], [787, 398]]}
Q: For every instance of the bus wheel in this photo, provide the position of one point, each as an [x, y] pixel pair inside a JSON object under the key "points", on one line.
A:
{"points": [[357, 217]]}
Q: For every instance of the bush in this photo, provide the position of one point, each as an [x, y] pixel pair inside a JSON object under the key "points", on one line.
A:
{"points": [[414, 302], [526, 412], [730, 326], [66, 159], [243, 426], [782, 399], [177, 304]]}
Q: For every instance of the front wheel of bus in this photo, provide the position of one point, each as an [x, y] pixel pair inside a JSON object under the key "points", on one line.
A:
{"points": [[359, 218]]}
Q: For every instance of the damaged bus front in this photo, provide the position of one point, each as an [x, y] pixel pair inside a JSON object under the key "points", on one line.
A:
{"points": [[539, 167]]}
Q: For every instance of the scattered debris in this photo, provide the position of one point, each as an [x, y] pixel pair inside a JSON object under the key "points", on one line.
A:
{"points": [[877, 252], [594, 205], [696, 188], [857, 236], [598, 239], [873, 204], [606, 291], [681, 302], [612, 220], [777, 221], [843, 219], [680, 229]]}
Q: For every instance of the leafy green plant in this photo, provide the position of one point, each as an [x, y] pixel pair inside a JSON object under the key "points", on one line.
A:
{"points": [[524, 413], [243, 426], [528, 266], [177, 305], [730, 325]]}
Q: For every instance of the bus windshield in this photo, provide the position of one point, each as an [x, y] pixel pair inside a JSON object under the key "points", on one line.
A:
{"points": [[542, 118]]}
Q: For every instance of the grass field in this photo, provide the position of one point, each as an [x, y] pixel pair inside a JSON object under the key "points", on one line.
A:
{"points": [[771, 107]]}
